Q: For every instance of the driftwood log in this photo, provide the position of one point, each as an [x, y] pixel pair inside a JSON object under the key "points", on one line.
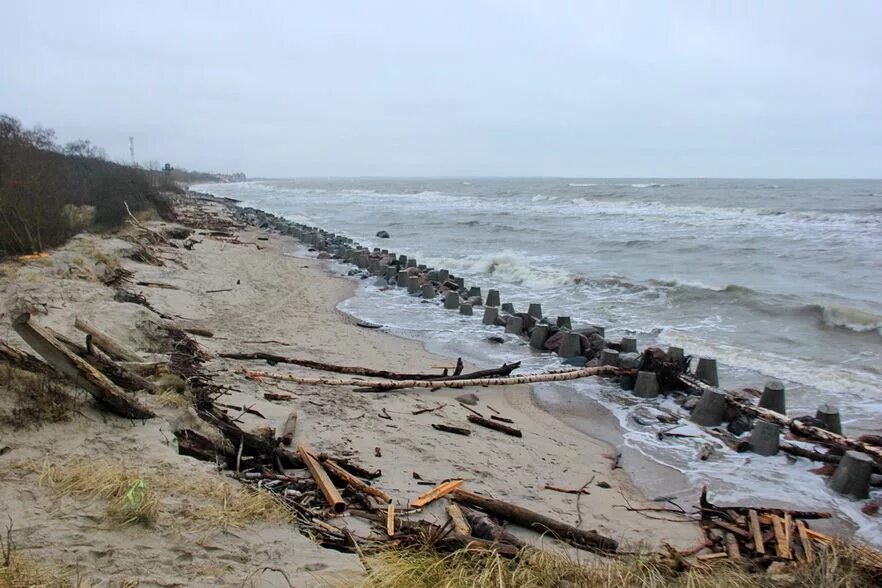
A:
{"points": [[397, 385], [105, 392], [117, 374], [24, 360], [504, 370], [108, 345], [490, 424], [483, 527], [338, 472], [590, 540], [797, 427], [833, 458]]}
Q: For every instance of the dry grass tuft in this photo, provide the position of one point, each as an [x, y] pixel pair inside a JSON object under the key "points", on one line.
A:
{"points": [[38, 400], [172, 398], [130, 499], [199, 502], [466, 569], [18, 570]]}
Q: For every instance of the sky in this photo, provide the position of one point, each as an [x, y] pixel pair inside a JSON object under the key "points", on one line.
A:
{"points": [[479, 88]]}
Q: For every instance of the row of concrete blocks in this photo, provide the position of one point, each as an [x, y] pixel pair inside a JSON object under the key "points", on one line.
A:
{"points": [[852, 475]]}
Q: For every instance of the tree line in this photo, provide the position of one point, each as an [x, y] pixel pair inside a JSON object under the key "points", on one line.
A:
{"points": [[49, 192]]}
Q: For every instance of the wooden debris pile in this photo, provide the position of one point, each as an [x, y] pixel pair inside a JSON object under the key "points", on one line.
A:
{"points": [[758, 536]]}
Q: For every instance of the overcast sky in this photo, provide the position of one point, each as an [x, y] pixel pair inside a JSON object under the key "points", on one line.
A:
{"points": [[761, 89]]}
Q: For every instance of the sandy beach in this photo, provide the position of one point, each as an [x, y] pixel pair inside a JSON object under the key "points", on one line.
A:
{"points": [[276, 298]]}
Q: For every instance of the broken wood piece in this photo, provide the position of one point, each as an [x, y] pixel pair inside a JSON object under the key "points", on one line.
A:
{"points": [[490, 424], [288, 429], [782, 548], [425, 410], [437, 492], [330, 492], [199, 332], [378, 386], [732, 546], [471, 410], [221, 290], [277, 396], [807, 550], [158, 285], [460, 525], [539, 523], [731, 528], [339, 472], [111, 347], [390, 520], [567, 490], [451, 429], [788, 533], [756, 531], [711, 556], [78, 370], [501, 419]]}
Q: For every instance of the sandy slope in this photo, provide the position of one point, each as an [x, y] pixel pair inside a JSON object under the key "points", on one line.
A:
{"points": [[277, 296]]}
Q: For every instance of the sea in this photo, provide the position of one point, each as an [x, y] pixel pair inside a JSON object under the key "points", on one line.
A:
{"points": [[776, 279]]}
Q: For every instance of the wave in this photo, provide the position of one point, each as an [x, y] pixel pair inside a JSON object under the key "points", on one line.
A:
{"points": [[513, 267], [581, 185], [846, 317]]}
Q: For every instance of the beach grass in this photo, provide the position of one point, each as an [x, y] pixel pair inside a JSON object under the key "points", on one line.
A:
{"points": [[37, 400], [137, 496], [836, 567]]}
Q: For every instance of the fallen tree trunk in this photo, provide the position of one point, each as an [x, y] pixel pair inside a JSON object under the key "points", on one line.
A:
{"points": [[505, 370], [78, 370], [114, 349], [816, 456], [114, 371], [799, 428], [483, 527], [590, 540], [396, 385], [495, 426], [24, 360]]}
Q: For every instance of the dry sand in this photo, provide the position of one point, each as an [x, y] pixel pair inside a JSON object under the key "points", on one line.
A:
{"points": [[286, 304]]}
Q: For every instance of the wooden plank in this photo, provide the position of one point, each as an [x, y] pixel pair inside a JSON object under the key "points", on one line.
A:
{"points": [[390, 520], [338, 471], [731, 528], [805, 542], [788, 533], [330, 492], [732, 549], [782, 548], [436, 493], [460, 525], [756, 531], [710, 556]]}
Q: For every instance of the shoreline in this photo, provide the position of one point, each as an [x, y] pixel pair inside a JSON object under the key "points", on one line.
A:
{"points": [[649, 475]]}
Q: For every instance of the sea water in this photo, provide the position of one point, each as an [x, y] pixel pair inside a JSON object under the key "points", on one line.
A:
{"points": [[773, 278]]}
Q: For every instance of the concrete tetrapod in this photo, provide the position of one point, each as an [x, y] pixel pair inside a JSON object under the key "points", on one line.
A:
{"points": [[564, 322], [852, 475], [451, 301], [413, 285], [629, 344], [492, 298], [646, 385], [490, 314], [535, 309], [570, 345], [773, 397], [609, 357], [514, 324], [829, 415], [539, 336], [465, 309], [765, 437], [706, 371], [710, 409], [428, 291]]}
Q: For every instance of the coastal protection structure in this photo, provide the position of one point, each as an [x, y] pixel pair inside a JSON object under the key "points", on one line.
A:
{"points": [[651, 372]]}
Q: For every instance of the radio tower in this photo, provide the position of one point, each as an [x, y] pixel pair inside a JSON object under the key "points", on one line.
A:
{"points": [[132, 149]]}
